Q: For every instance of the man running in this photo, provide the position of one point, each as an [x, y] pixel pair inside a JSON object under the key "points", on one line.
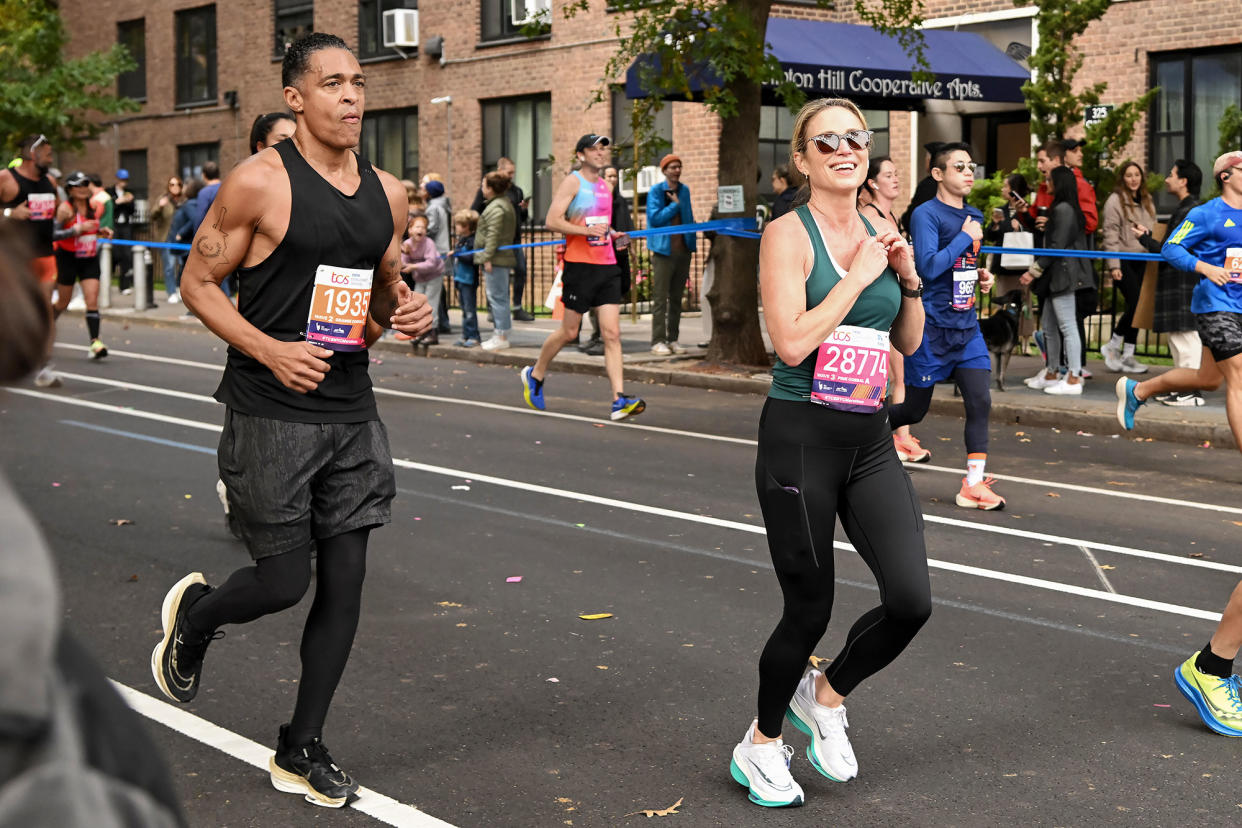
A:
{"points": [[582, 210], [28, 194], [946, 233], [312, 232], [1208, 242]]}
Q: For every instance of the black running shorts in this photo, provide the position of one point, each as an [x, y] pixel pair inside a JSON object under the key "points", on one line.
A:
{"points": [[69, 268], [291, 482], [1221, 331], [585, 286]]}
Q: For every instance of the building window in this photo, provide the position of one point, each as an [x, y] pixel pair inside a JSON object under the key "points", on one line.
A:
{"points": [[371, 26], [497, 19], [192, 157], [196, 56], [776, 131], [1195, 88], [135, 163], [390, 141], [521, 129], [294, 19], [132, 34], [623, 138]]}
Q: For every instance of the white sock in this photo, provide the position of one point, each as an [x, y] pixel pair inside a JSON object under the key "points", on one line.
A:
{"points": [[1128, 352], [1115, 342], [974, 469]]}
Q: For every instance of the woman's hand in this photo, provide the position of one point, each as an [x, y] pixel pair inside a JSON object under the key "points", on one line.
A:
{"points": [[1114, 275], [1139, 230], [870, 260], [986, 280], [900, 257], [1026, 278]]}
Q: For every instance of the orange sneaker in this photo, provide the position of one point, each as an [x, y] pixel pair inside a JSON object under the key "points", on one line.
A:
{"points": [[980, 496], [909, 450]]}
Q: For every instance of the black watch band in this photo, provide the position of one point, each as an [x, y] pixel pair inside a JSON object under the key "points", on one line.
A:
{"points": [[913, 293]]}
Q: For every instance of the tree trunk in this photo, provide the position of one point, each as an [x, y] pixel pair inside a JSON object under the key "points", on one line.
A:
{"points": [[734, 297]]}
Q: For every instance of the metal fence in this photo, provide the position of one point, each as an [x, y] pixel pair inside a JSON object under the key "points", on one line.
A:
{"points": [[541, 273]]}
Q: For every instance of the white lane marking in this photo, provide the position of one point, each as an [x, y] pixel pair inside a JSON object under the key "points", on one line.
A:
{"points": [[1099, 570], [961, 524], [133, 386], [374, 804], [690, 517], [1028, 481]]}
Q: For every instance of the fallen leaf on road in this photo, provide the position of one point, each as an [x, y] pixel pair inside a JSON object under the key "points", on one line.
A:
{"points": [[447, 604], [461, 488], [515, 579], [187, 497], [55, 485], [601, 666], [1056, 431], [1053, 494], [133, 579], [662, 812], [1025, 440], [1195, 554], [580, 525], [1107, 566], [1206, 444], [121, 522], [596, 616], [1085, 434], [1236, 522], [1118, 483], [816, 661], [1160, 705], [1019, 434], [598, 425], [553, 679]]}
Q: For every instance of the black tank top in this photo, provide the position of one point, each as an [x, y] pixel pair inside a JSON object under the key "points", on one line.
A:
{"points": [[326, 227], [40, 229]]}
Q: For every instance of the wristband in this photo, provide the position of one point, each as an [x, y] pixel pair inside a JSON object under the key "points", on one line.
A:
{"points": [[912, 293], [8, 211]]}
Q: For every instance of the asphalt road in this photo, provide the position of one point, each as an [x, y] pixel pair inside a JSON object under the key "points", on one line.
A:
{"points": [[1039, 693]]}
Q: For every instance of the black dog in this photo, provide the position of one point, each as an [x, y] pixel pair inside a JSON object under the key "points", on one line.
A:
{"points": [[1000, 332]]}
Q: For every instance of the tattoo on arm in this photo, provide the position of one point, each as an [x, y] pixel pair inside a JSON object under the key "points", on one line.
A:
{"points": [[211, 247]]}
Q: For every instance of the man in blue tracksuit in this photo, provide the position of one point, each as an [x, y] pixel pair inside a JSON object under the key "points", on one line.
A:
{"points": [[946, 233], [668, 204]]}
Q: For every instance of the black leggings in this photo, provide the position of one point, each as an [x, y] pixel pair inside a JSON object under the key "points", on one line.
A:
{"points": [[277, 583], [814, 465], [1131, 285], [976, 395]]}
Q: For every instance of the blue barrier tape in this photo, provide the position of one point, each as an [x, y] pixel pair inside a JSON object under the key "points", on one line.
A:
{"points": [[1075, 254]]}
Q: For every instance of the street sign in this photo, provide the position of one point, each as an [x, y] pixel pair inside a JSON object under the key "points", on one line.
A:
{"points": [[729, 198], [1095, 114]]}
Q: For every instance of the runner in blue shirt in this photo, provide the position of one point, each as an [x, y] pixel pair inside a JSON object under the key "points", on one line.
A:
{"points": [[947, 233], [1208, 242]]}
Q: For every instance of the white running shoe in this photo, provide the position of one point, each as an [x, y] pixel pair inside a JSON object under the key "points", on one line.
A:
{"points": [[1132, 366], [47, 378], [175, 299], [496, 344], [764, 769], [830, 751], [1041, 382], [1037, 378], [1064, 388], [1112, 357], [661, 349]]}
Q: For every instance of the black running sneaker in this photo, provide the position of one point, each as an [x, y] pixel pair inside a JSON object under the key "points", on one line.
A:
{"points": [[177, 661], [310, 771]]}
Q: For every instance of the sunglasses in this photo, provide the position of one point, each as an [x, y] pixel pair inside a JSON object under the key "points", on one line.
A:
{"points": [[42, 139], [858, 139], [962, 166]]}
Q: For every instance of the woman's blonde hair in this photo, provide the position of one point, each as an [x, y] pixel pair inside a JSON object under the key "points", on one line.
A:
{"points": [[797, 144]]}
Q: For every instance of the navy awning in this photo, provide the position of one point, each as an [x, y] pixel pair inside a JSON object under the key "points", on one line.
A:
{"points": [[851, 60]]}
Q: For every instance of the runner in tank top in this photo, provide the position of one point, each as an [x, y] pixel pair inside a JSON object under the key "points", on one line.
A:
{"points": [[835, 284], [77, 256], [582, 210], [312, 232]]}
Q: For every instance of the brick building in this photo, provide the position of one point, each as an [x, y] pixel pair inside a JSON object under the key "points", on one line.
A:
{"points": [[207, 70]]}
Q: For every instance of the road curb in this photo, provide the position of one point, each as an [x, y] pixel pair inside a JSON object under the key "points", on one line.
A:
{"points": [[667, 373]]}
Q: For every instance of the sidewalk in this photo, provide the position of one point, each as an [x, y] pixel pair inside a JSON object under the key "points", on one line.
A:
{"points": [[1094, 411]]}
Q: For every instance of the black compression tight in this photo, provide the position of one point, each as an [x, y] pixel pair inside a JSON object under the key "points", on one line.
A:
{"points": [[277, 583], [807, 476], [975, 384]]}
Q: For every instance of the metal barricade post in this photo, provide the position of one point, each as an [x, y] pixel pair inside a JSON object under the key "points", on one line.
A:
{"points": [[105, 275], [140, 277]]}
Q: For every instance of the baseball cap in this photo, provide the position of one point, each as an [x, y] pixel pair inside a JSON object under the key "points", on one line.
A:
{"points": [[591, 140], [1227, 161], [122, 174], [1072, 143], [77, 178]]}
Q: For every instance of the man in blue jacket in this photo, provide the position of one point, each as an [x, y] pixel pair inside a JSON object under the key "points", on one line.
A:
{"points": [[668, 204]]}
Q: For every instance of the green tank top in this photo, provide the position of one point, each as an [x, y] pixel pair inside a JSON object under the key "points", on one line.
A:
{"points": [[876, 308]]}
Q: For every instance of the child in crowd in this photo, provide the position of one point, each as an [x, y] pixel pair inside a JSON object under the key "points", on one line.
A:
{"points": [[422, 269], [466, 276]]}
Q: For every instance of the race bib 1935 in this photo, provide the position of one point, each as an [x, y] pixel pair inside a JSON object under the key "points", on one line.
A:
{"points": [[851, 370], [339, 308], [42, 206]]}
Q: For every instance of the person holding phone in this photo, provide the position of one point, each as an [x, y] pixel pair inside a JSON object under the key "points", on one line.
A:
{"points": [[668, 204], [1128, 206]]}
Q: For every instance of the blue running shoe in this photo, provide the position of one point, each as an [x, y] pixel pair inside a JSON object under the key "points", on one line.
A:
{"points": [[1127, 403], [531, 390], [1216, 699], [624, 406]]}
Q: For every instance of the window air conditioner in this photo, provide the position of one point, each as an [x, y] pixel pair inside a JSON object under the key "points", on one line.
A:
{"points": [[401, 29], [525, 12], [648, 177]]}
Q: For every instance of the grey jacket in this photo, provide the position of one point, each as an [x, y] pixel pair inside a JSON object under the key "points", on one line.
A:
{"points": [[439, 221]]}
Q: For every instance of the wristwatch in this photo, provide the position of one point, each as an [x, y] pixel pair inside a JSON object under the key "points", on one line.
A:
{"points": [[913, 293], [8, 211]]}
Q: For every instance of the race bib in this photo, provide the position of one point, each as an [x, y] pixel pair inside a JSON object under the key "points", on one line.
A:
{"points": [[964, 282], [851, 370], [591, 221], [339, 308], [42, 206], [86, 246], [1233, 263]]}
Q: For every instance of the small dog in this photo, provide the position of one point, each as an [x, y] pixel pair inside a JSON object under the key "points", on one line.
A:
{"points": [[1000, 332]]}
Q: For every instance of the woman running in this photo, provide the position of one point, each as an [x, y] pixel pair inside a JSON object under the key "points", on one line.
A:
{"points": [[77, 256], [835, 284]]}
